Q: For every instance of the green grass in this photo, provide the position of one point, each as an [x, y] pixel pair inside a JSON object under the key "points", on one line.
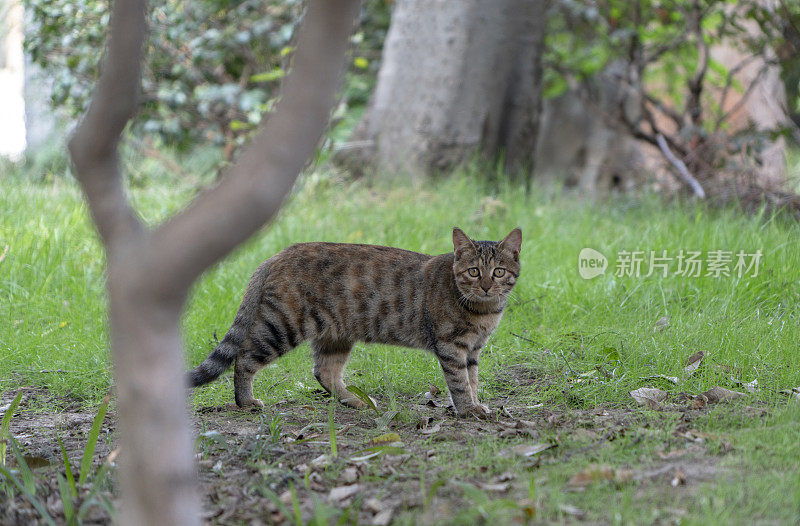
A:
{"points": [[53, 332], [51, 285]]}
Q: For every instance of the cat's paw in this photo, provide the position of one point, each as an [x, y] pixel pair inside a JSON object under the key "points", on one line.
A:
{"points": [[476, 411], [353, 402]]}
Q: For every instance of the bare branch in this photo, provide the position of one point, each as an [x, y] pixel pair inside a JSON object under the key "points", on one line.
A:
{"points": [[695, 84], [93, 146], [252, 190], [683, 172], [743, 100]]}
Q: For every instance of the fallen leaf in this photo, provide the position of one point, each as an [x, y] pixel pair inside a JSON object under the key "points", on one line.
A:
{"points": [[386, 438], [720, 394], [568, 509], [350, 475], [672, 454], [594, 473], [35, 462], [526, 450], [494, 486], [670, 379], [649, 396], [343, 492], [434, 390], [623, 476], [383, 518], [320, 462], [693, 363], [678, 479], [699, 402], [661, 324], [431, 430]]}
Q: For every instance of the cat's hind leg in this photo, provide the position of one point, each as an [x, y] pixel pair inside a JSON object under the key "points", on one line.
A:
{"points": [[270, 338], [244, 370], [330, 358]]}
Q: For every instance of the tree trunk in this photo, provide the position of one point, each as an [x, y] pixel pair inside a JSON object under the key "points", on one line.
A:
{"points": [[456, 78], [150, 271]]}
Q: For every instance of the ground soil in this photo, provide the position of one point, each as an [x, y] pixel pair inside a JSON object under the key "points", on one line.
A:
{"points": [[248, 462]]}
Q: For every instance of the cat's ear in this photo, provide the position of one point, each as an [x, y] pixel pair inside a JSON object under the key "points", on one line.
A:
{"points": [[460, 240], [512, 243]]}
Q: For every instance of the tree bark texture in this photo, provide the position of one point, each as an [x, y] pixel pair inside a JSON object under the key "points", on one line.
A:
{"points": [[150, 271], [456, 78]]}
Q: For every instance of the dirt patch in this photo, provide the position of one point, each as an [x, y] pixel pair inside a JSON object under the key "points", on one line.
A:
{"points": [[255, 466]]}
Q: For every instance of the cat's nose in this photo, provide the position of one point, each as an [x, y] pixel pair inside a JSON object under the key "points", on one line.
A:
{"points": [[486, 286]]}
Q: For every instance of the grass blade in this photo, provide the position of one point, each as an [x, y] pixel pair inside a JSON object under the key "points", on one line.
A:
{"points": [[68, 469], [36, 503], [298, 516], [89, 500], [332, 427], [6, 425], [363, 396], [24, 469], [66, 500], [88, 451]]}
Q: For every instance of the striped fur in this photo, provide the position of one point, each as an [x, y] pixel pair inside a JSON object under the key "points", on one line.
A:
{"points": [[335, 295]]}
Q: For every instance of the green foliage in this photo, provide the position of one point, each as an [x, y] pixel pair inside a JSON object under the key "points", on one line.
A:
{"points": [[212, 68], [91, 443], [5, 427], [657, 59]]}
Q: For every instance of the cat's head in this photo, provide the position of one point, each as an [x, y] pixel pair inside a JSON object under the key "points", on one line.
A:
{"points": [[486, 270]]}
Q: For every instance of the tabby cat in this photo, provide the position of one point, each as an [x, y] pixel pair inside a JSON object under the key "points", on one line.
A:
{"points": [[336, 294]]}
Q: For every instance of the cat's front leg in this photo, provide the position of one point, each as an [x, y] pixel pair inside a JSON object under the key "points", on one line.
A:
{"points": [[454, 362], [472, 374]]}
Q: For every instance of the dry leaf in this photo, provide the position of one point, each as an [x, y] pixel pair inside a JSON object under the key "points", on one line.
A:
{"points": [[494, 486], [383, 518], [350, 475], [526, 450], [594, 473], [661, 324], [568, 509], [435, 428], [694, 362], [720, 394], [649, 396], [597, 473], [343, 492], [670, 379], [434, 390], [678, 479], [672, 454], [699, 402]]}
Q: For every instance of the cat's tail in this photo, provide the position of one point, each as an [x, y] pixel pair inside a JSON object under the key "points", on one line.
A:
{"points": [[222, 357]]}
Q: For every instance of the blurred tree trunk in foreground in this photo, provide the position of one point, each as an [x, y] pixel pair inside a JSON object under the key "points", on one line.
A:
{"points": [[150, 270], [456, 78]]}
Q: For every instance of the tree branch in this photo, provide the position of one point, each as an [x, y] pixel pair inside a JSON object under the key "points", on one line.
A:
{"points": [[93, 146], [683, 172], [253, 189]]}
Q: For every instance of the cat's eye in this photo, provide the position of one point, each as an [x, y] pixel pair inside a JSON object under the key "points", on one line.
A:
{"points": [[474, 272], [499, 272]]}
